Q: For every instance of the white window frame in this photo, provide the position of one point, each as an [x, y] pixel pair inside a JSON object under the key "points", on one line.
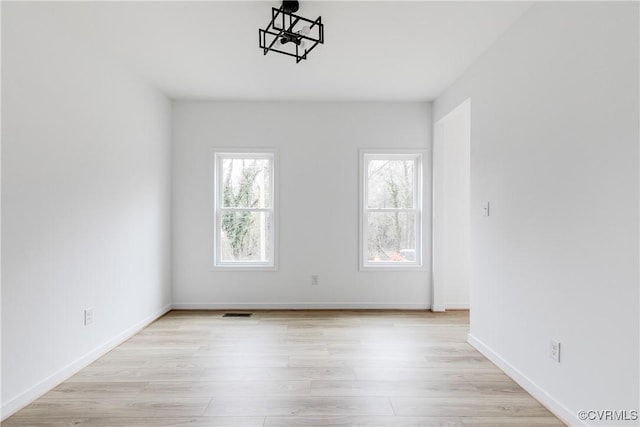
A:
{"points": [[217, 154], [394, 154]]}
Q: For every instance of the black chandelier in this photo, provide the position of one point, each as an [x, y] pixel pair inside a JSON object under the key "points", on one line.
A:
{"points": [[291, 34]]}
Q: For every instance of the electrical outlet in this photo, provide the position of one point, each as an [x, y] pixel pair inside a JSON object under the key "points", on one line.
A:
{"points": [[88, 316], [314, 280], [554, 350]]}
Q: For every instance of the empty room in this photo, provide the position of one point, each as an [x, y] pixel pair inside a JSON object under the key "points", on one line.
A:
{"points": [[320, 213]]}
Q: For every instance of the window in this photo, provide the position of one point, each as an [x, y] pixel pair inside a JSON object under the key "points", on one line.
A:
{"points": [[244, 211], [391, 209]]}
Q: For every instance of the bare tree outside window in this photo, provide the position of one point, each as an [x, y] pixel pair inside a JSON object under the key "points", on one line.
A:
{"points": [[391, 209], [245, 233]]}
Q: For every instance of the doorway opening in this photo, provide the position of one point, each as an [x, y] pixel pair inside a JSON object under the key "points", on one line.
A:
{"points": [[451, 210]]}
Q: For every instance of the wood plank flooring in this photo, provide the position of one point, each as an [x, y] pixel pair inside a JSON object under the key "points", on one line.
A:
{"points": [[292, 368]]}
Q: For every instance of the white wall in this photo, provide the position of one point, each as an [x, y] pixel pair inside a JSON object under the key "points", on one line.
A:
{"points": [[1, 412], [451, 222], [318, 155], [555, 150], [85, 202]]}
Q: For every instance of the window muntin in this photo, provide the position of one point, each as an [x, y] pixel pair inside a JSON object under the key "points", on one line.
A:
{"points": [[244, 209], [391, 209]]}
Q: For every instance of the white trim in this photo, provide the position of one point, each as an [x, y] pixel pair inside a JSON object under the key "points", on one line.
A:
{"points": [[438, 308], [34, 392], [411, 154], [393, 267], [437, 294], [558, 409], [243, 267], [457, 306], [298, 306], [438, 282], [273, 155]]}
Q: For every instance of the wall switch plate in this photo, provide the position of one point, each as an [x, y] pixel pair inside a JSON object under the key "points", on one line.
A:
{"points": [[314, 280], [485, 209], [88, 316], [554, 350]]}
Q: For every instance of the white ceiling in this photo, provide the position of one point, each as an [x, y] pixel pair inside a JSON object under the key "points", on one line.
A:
{"points": [[373, 50]]}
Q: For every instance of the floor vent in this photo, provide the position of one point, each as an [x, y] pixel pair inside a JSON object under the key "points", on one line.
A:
{"points": [[237, 315]]}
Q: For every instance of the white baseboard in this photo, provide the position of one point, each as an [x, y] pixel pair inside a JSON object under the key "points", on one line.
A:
{"points": [[297, 306], [445, 307], [558, 409], [31, 394], [457, 306]]}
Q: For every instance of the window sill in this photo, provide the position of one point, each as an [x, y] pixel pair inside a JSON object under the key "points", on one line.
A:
{"points": [[394, 268], [230, 268]]}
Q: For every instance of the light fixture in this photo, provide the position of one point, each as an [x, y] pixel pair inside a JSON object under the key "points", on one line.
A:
{"points": [[291, 34]]}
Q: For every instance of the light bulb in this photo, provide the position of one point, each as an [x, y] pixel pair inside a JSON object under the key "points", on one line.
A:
{"points": [[305, 30], [302, 45]]}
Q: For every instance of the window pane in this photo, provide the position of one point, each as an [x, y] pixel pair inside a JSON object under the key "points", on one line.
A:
{"points": [[391, 237], [390, 183], [246, 183], [245, 236]]}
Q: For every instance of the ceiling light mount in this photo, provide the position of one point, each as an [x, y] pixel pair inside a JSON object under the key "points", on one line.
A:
{"points": [[291, 34], [290, 6]]}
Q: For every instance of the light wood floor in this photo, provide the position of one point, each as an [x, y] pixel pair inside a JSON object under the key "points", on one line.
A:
{"points": [[292, 368]]}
